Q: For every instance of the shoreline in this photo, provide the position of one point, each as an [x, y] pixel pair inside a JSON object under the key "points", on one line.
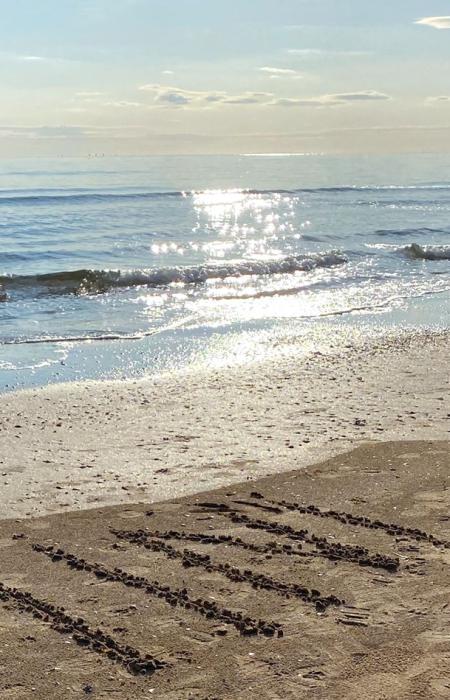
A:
{"points": [[77, 446]]}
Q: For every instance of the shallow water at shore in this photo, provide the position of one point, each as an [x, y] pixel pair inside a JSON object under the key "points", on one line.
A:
{"points": [[119, 268]]}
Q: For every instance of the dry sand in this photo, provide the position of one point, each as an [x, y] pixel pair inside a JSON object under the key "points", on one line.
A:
{"points": [[290, 603], [325, 621], [87, 445]]}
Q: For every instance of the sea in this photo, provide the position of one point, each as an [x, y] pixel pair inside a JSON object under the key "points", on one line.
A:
{"points": [[123, 268]]}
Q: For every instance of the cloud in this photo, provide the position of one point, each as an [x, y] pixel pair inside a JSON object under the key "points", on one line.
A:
{"points": [[174, 97], [101, 99], [438, 98], [31, 58], [331, 100], [34, 58], [167, 72], [279, 72], [178, 97], [28, 58], [249, 98], [168, 96], [435, 22], [318, 53], [365, 95], [298, 102], [122, 103]]}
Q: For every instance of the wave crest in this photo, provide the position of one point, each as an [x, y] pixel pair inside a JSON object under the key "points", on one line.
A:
{"points": [[419, 252], [99, 281], [55, 197]]}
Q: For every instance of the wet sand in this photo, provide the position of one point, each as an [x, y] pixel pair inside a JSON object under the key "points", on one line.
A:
{"points": [[327, 582], [192, 562], [83, 446]]}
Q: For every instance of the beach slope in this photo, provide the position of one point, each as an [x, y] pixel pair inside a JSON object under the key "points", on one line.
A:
{"points": [[87, 445], [327, 582]]}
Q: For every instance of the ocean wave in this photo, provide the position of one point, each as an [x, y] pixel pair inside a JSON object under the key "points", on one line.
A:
{"points": [[97, 281], [408, 231], [50, 339], [140, 335], [82, 197], [418, 252]]}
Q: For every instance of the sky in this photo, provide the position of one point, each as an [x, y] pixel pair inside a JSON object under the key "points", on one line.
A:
{"points": [[224, 76]]}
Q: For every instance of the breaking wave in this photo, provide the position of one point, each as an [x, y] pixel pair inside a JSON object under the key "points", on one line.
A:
{"points": [[98, 281], [418, 252]]}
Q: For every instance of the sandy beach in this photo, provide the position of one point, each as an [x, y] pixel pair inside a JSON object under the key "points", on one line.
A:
{"points": [[273, 531], [78, 446], [326, 582]]}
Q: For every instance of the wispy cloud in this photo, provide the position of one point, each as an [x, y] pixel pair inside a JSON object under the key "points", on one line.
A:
{"points": [[332, 100], [364, 95], [179, 97], [319, 53], [274, 73], [438, 98], [300, 102], [127, 104], [248, 98], [31, 58], [36, 59], [435, 22], [101, 99]]}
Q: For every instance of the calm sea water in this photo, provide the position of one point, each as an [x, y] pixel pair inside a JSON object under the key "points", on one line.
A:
{"points": [[120, 267]]}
